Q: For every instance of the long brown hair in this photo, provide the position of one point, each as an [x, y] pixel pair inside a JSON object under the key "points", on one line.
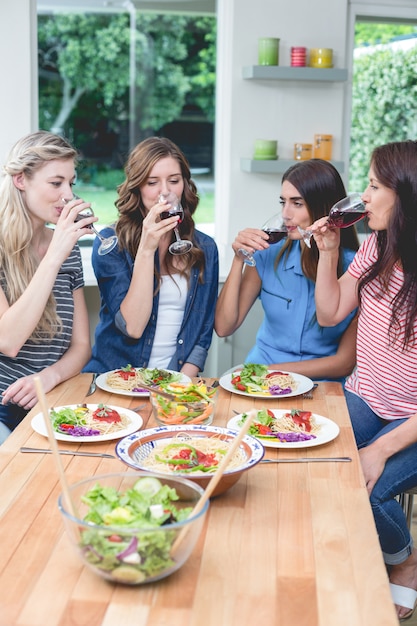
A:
{"points": [[319, 184], [395, 167], [132, 211]]}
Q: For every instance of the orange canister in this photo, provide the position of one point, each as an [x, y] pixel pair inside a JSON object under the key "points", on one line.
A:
{"points": [[303, 151], [321, 57], [323, 145]]}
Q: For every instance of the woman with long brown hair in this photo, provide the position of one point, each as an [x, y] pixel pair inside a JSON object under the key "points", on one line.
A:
{"points": [[157, 308], [382, 391], [284, 278]]}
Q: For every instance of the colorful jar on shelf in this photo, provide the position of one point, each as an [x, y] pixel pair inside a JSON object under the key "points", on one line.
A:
{"points": [[265, 149], [268, 51], [323, 145], [303, 151], [321, 57], [298, 56]]}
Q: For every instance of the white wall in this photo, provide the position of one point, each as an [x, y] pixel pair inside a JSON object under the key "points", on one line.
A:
{"points": [[288, 111], [19, 74]]}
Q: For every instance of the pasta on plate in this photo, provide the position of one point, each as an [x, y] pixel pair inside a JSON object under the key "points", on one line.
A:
{"points": [[131, 378], [84, 421]]}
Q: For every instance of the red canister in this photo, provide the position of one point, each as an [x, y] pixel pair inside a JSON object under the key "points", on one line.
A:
{"points": [[298, 56]]}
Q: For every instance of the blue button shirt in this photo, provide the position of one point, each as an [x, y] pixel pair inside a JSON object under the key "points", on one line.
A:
{"points": [[114, 348], [289, 330]]}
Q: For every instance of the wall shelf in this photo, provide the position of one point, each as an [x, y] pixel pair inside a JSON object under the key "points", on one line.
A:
{"points": [[278, 166], [276, 72]]}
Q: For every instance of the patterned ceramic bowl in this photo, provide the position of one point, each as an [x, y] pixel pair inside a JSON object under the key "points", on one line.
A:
{"points": [[144, 450]]}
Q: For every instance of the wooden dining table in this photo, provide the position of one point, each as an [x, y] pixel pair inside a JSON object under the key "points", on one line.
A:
{"points": [[290, 544]]}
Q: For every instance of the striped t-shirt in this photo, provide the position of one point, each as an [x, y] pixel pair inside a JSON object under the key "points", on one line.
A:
{"points": [[386, 375], [34, 357]]}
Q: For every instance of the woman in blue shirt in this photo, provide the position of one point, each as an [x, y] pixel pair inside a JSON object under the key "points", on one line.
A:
{"points": [[284, 280], [157, 309]]}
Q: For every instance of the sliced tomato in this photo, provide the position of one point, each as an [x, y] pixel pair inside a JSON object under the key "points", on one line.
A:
{"points": [[235, 380], [126, 374], [106, 414], [263, 430], [301, 418], [272, 374], [270, 413]]}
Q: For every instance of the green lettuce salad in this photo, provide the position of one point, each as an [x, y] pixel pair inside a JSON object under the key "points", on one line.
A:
{"points": [[126, 556]]}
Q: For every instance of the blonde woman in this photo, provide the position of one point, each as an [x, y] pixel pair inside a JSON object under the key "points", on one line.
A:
{"points": [[44, 327]]}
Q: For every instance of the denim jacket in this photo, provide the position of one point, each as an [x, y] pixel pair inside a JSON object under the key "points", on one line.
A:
{"points": [[114, 348]]}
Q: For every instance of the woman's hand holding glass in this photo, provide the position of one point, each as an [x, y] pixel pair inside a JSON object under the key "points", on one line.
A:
{"points": [[68, 229], [343, 214], [327, 238], [174, 208], [272, 232]]}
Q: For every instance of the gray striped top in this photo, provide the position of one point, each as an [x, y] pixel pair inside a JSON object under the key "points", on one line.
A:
{"points": [[34, 357]]}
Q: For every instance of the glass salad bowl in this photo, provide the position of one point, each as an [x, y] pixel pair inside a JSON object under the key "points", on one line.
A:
{"points": [[184, 403], [133, 528]]}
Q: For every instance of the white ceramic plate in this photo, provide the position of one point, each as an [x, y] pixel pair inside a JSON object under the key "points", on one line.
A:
{"points": [[329, 430], [101, 382], [38, 425], [304, 384]]}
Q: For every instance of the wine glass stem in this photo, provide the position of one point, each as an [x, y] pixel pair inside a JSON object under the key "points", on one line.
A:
{"points": [[97, 233], [177, 235]]}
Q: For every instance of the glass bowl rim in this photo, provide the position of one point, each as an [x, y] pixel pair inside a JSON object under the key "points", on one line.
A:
{"points": [[132, 529]]}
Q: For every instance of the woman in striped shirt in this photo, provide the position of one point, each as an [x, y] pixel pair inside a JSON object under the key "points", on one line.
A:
{"points": [[382, 391], [44, 328]]}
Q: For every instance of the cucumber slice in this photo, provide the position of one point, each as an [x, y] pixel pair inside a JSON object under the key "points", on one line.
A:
{"points": [[148, 486]]}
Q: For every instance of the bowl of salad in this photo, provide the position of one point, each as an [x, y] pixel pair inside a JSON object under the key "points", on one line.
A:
{"points": [[133, 529], [184, 403], [192, 452]]}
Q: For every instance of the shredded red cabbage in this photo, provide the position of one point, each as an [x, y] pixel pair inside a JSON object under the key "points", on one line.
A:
{"points": [[276, 390], [80, 431], [293, 437]]}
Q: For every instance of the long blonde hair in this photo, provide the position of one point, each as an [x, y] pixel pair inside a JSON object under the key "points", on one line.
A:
{"points": [[17, 260]]}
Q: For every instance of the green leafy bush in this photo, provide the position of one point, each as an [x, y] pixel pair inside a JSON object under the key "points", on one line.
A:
{"points": [[384, 106]]}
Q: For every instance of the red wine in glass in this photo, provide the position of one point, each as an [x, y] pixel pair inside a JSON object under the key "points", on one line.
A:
{"points": [[175, 211], [179, 246], [344, 219], [343, 214], [275, 230], [275, 235]]}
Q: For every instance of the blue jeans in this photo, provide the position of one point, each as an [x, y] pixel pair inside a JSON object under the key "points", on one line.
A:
{"points": [[400, 474], [10, 416]]}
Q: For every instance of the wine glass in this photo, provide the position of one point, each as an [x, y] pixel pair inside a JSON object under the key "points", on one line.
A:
{"points": [[276, 230], [180, 246], [106, 243], [343, 214]]}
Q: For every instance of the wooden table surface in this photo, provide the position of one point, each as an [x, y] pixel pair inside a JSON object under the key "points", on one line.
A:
{"points": [[289, 544]]}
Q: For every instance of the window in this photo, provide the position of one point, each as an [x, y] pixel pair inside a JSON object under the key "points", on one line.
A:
{"points": [[384, 90], [108, 78]]}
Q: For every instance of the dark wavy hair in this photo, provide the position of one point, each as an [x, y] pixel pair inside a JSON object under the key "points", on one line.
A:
{"points": [[319, 184], [395, 167], [132, 211]]}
